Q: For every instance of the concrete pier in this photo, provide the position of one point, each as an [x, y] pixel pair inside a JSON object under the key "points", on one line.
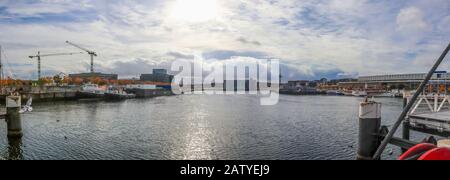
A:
{"points": [[13, 120], [369, 127]]}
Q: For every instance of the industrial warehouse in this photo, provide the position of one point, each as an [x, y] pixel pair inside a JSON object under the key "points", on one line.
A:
{"points": [[395, 81]]}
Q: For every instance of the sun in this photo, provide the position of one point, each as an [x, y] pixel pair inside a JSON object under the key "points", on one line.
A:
{"points": [[195, 11]]}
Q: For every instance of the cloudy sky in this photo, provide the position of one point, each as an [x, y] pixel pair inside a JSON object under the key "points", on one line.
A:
{"points": [[312, 38]]}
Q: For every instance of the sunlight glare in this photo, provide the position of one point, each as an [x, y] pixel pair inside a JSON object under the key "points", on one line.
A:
{"points": [[195, 11]]}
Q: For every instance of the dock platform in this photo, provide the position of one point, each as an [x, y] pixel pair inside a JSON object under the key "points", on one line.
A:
{"points": [[439, 121], [430, 114]]}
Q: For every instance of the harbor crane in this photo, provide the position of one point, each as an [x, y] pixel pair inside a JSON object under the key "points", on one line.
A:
{"points": [[39, 56], [91, 53]]}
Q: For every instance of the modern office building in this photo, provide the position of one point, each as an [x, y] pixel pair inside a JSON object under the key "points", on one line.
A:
{"points": [[159, 75], [159, 71]]}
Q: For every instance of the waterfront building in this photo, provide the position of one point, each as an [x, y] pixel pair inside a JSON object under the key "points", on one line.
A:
{"points": [[394, 81], [159, 75], [417, 77], [300, 87], [298, 83]]}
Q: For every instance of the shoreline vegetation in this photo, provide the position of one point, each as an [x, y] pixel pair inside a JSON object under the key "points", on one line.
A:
{"points": [[60, 88]]}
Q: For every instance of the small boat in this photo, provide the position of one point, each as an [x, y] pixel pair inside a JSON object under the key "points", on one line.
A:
{"points": [[90, 91], [116, 95], [359, 93], [347, 93], [335, 93], [385, 94]]}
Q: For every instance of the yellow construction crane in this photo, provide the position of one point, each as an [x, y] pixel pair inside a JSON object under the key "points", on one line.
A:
{"points": [[39, 55], [91, 53]]}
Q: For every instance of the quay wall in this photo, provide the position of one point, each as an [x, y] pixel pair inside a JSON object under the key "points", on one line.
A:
{"points": [[50, 96]]}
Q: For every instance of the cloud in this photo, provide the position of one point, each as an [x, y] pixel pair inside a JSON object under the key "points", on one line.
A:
{"points": [[131, 68], [313, 38], [225, 54], [411, 19], [245, 41], [178, 55], [444, 25]]}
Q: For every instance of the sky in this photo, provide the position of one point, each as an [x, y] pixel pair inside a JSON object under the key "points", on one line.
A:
{"points": [[311, 38]]}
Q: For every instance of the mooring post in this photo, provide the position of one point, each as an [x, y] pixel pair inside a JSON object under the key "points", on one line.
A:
{"points": [[406, 129], [369, 127], [14, 124]]}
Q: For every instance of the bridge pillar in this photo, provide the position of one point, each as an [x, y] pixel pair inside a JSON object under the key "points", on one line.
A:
{"points": [[13, 120]]}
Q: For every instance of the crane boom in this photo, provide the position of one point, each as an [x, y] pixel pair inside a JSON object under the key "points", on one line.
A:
{"points": [[56, 54], [79, 47], [91, 53], [39, 56]]}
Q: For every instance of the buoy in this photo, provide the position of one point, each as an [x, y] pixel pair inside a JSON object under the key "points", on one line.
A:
{"points": [[437, 154]]}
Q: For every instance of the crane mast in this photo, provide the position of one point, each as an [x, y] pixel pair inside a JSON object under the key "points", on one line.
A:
{"points": [[91, 53], [39, 56]]}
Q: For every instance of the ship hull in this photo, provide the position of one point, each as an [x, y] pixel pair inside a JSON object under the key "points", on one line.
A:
{"points": [[115, 96], [89, 95]]}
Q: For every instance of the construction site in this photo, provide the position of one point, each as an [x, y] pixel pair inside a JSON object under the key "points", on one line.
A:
{"points": [[64, 86]]}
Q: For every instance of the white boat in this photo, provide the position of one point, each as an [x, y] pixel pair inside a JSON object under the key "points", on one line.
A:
{"points": [[359, 93], [347, 93], [385, 94], [334, 93], [91, 91], [116, 93]]}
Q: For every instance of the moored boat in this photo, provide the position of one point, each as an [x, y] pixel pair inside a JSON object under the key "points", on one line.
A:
{"points": [[359, 93], [384, 94], [116, 95], [335, 93], [148, 91], [90, 91]]}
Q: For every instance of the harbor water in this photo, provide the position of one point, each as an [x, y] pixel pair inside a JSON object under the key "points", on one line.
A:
{"points": [[195, 127]]}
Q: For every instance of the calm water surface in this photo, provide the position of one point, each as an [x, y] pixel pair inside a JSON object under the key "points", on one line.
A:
{"points": [[194, 127]]}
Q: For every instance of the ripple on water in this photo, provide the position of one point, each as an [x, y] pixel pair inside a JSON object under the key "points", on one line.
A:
{"points": [[195, 127]]}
